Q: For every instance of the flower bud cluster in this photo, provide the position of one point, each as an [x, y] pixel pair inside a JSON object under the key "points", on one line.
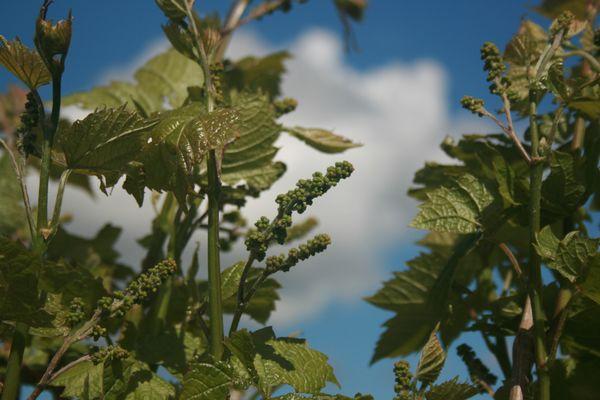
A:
{"points": [[282, 262], [29, 120], [493, 63], [403, 379], [216, 73], [477, 370], [139, 289], [76, 312], [562, 23], [285, 106], [307, 190], [98, 331], [476, 106], [109, 353]]}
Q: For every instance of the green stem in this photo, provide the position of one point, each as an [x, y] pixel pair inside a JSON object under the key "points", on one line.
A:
{"points": [[214, 267], [49, 131], [64, 178], [12, 381], [535, 267]]}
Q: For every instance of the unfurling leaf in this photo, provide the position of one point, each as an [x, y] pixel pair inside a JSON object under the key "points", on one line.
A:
{"points": [[431, 361], [457, 207], [24, 63], [322, 140]]}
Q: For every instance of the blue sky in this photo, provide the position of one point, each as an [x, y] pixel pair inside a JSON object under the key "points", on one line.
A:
{"points": [[400, 38]]}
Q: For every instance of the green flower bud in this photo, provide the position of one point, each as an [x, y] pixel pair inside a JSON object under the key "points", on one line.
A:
{"points": [[403, 380], [109, 353], [285, 106], [562, 23], [476, 106]]}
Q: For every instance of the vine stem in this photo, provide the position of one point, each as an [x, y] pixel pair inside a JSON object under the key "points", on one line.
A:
{"points": [[535, 267]]}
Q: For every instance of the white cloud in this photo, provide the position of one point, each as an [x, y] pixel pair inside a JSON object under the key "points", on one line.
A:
{"points": [[397, 110]]}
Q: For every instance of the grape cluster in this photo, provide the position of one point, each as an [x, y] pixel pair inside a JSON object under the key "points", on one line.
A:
{"points": [[282, 262], [477, 370], [476, 106], [98, 331], [139, 289], [298, 199], [29, 120], [76, 312], [285, 106], [109, 353], [493, 64], [562, 23], [403, 380], [307, 190]]}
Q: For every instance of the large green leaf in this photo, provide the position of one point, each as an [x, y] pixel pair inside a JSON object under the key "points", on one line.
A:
{"points": [[250, 157], [179, 143], [166, 76], [82, 381], [272, 362], [24, 63], [322, 140], [564, 190], [457, 207], [207, 382], [257, 74], [104, 141]]}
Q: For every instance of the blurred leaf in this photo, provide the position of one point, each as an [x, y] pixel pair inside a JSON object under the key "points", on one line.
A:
{"points": [[322, 140]]}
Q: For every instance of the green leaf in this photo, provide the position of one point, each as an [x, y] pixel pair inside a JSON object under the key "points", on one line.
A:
{"points": [[250, 157], [173, 9], [275, 361], [564, 190], [12, 212], [82, 381], [230, 279], [166, 76], [207, 382], [431, 361], [24, 63], [569, 256], [105, 140], [258, 74], [457, 207], [178, 144], [120, 379], [20, 299], [452, 390], [322, 140]]}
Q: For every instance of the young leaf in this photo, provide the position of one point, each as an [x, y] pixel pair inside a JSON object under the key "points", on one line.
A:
{"points": [[431, 361], [457, 207], [104, 141], [173, 9], [452, 390], [23, 63], [207, 382], [322, 140], [230, 279]]}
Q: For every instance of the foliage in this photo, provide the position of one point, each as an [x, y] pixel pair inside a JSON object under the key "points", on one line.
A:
{"points": [[197, 132], [509, 252]]}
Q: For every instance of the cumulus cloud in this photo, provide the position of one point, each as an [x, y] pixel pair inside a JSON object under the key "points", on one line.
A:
{"points": [[397, 110]]}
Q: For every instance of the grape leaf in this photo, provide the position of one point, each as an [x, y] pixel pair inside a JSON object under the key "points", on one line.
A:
{"points": [[322, 140], [431, 361], [452, 390], [207, 382], [457, 207], [24, 63]]}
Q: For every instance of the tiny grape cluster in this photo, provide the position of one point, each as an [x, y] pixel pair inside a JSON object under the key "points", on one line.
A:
{"points": [[298, 199], [139, 289], [493, 64], [562, 23], [282, 262], [403, 380], [109, 353], [98, 331], [476, 106], [29, 120], [285, 106], [307, 190], [76, 312], [477, 370]]}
